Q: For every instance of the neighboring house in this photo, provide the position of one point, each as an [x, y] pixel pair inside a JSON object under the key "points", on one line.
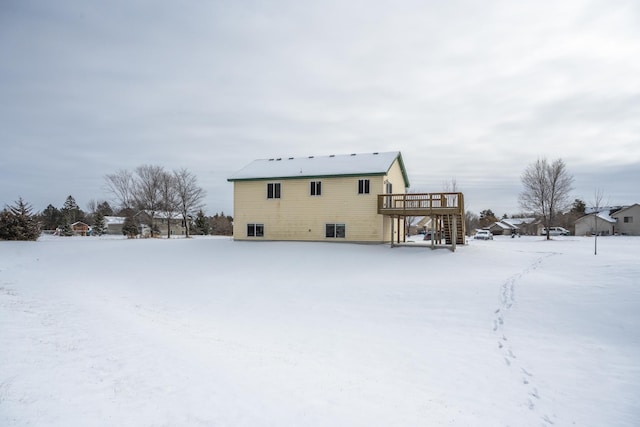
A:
{"points": [[628, 220], [502, 228], [114, 224], [161, 224], [318, 198], [525, 226], [79, 228], [507, 226], [600, 222]]}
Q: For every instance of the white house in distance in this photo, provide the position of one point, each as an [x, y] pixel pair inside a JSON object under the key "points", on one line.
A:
{"points": [[600, 222], [608, 221], [352, 197], [628, 220]]}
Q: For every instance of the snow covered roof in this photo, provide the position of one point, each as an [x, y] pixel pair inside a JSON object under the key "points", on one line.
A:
{"points": [[504, 225], [114, 220], [320, 166], [514, 222], [603, 215]]}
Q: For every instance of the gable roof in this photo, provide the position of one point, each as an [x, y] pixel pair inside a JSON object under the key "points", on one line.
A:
{"points": [[321, 167], [603, 215], [623, 210]]}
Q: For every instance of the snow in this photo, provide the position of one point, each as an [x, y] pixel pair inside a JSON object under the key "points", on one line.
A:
{"points": [[342, 164], [212, 332]]}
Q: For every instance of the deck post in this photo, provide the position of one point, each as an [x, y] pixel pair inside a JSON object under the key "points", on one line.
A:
{"points": [[433, 232], [454, 232], [392, 224]]}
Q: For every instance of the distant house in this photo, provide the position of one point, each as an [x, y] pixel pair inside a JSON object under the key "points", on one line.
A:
{"points": [[163, 224], [500, 228], [628, 220], [600, 222], [114, 224], [507, 226], [353, 198], [79, 228]]}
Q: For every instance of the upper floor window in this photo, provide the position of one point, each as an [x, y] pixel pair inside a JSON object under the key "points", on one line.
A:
{"points": [[316, 188], [363, 186], [273, 190], [628, 219]]}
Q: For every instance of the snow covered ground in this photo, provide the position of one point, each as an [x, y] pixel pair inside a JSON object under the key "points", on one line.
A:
{"points": [[211, 332]]}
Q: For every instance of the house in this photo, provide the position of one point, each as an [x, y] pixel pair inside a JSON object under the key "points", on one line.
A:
{"points": [[628, 220], [596, 222], [79, 228], [113, 224], [502, 228], [164, 224], [508, 226], [347, 198]]}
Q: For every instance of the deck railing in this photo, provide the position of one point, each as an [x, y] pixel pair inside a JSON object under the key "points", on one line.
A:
{"points": [[420, 204]]}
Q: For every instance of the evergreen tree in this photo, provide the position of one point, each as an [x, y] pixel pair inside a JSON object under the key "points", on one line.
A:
{"points": [[129, 228], [578, 207], [17, 223], [99, 225], [51, 218], [71, 212], [487, 217], [104, 208], [202, 224]]}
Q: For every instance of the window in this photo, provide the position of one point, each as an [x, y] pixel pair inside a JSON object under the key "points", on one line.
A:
{"points": [[273, 190], [628, 220], [335, 231], [316, 188], [363, 186], [255, 230]]}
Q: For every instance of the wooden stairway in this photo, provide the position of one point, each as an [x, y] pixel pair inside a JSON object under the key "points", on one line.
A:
{"points": [[448, 224]]}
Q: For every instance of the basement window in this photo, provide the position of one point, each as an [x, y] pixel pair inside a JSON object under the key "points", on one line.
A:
{"points": [[255, 230], [337, 231]]}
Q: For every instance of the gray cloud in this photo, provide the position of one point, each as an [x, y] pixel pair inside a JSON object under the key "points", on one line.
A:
{"points": [[466, 90]]}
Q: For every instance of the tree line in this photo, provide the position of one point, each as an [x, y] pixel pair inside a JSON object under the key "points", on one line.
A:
{"points": [[147, 188]]}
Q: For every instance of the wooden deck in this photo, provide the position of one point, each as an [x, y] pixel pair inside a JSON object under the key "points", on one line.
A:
{"points": [[446, 210]]}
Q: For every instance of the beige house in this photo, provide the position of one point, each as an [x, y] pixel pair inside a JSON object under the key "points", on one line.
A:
{"points": [[597, 222], [628, 220], [318, 198]]}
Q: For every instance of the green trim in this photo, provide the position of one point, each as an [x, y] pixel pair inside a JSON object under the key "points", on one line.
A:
{"points": [[402, 169]]}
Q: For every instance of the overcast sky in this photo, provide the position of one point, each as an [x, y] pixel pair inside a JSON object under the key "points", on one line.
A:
{"points": [[466, 90]]}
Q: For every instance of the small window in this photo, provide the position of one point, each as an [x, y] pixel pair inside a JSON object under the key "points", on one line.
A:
{"points": [[338, 231], [316, 188], [628, 220], [363, 186], [273, 190], [255, 230]]}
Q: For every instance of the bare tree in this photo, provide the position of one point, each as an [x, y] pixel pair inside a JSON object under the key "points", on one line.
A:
{"points": [[122, 186], [148, 190], [450, 186], [189, 194], [546, 190], [598, 195], [170, 201]]}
